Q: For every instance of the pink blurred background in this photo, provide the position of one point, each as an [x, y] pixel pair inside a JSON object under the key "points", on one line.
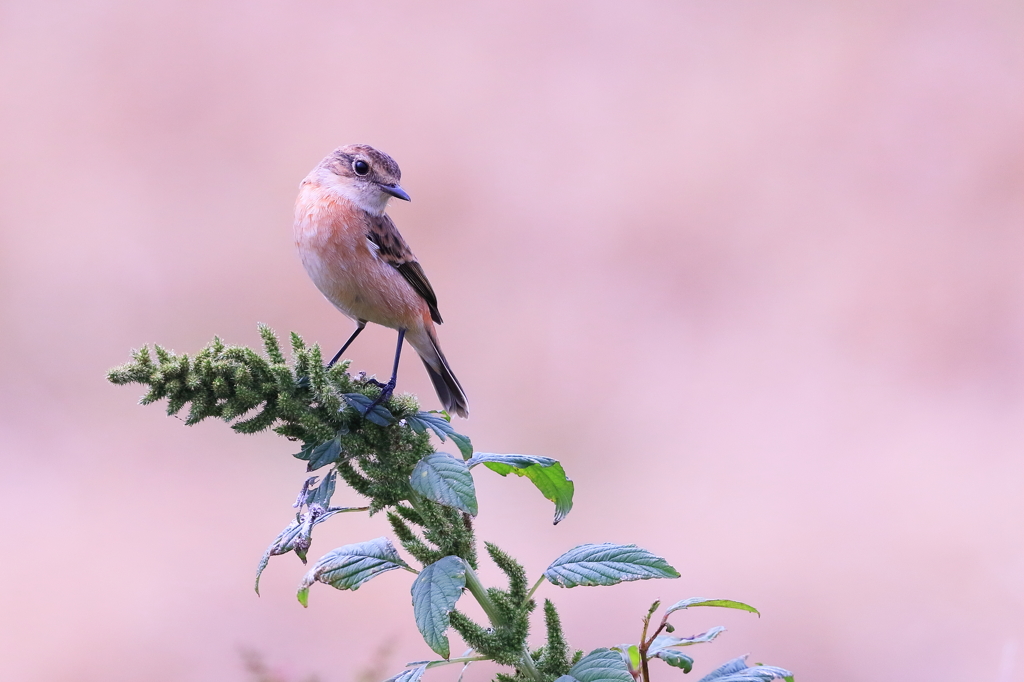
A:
{"points": [[751, 270]]}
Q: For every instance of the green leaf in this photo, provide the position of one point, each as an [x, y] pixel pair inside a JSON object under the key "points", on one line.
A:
{"points": [[633, 651], [297, 535], [321, 454], [733, 666], [320, 495], [676, 659], [445, 480], [665, 641], [737, 670], [324, 454], [760, 673], [600, 665], [664, 647], [348, 567], [285, 542], [434, 593], [440, 424], [435, 421], [606, 564], [723, 603], [379, 415], [546, 473], [630, 655], [410, 675], [306, 452], [464, 444], [513, 461]]}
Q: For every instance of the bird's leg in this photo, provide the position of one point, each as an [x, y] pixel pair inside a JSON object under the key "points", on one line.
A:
{"points": [[361, 327], [387, 389]]}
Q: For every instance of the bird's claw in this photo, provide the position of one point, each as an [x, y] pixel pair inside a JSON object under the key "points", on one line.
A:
{"points": [[385, 392]]}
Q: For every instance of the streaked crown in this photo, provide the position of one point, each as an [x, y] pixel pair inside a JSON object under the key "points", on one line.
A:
{"points": [[364, 175]]}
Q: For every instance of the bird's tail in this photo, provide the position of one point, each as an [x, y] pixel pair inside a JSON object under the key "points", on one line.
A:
{"points": [[448, 388]]}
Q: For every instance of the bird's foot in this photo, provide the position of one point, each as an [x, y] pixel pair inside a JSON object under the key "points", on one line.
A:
{"points": [[370, 380], [385, 392]]}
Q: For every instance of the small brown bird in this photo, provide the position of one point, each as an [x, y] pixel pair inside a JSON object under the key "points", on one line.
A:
{"points": [[356, 257]]}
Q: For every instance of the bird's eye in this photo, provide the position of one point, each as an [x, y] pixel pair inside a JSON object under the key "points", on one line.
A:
{"points": [[360, 167]]}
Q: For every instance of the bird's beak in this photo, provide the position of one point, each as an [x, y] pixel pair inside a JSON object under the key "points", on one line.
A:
{"points": [[396, 191]]}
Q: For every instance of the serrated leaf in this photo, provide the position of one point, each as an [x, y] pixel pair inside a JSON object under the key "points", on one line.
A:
{"points": [[676, 659], [601, 665], [379, 415], [348, 567], [516, 461], [722, 603], [308, 449], [440, 424], [434, 593], [606, 564], [410, 675], [545, 473], [324, 454], [435, 421], [297, 535], [633, 652], [665, 641], [282, 544], [760, 673], [727, 668], [306, 452], [630, 655], [464, 444], [737, 670], [662, 647], [303, 496], [445, 480], [321, 495]]}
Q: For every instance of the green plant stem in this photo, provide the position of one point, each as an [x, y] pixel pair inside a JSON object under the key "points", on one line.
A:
{"points": [[468, 659], [645, 673], [645, 643], [528, 665], [479, 592], [534, 588]]}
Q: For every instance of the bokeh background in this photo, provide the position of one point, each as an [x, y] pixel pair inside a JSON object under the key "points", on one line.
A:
{"points": [[752, 270]]}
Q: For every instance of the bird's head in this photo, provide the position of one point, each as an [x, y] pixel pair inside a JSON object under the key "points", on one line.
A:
{"points": [[363, 175]]}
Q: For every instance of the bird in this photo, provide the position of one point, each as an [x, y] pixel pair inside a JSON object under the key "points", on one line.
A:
{"points": [[359, 261]]}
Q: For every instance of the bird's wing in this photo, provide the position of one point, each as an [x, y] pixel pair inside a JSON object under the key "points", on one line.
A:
{"points": [[393, 250]]}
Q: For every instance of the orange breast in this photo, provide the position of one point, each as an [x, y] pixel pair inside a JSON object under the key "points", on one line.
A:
{"points": [[330, 234]]}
